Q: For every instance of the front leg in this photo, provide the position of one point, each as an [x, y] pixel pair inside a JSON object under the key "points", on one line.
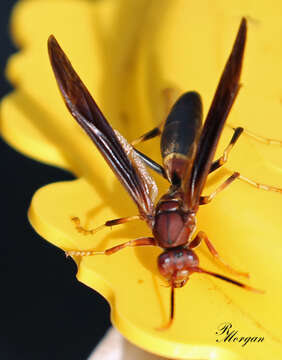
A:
{"points": [[202, 236], [109, 223]]}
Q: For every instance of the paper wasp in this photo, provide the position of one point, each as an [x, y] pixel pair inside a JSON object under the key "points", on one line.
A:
{"points": [[187, 149]]}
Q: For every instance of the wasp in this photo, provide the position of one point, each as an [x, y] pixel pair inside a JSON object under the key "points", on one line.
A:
{"points": [[187, 149]]}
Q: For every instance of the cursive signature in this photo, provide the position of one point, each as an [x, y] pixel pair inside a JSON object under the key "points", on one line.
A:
{"points": [[226, 334]]}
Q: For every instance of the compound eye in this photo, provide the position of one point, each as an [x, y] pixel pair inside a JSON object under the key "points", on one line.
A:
{"points": [[166, 265]]}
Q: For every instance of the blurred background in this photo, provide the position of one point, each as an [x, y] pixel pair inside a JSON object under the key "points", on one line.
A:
{"points": [[45, 312]]}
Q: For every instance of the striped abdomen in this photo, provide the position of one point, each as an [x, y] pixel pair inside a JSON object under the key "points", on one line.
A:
{"points": [[180, 136]]}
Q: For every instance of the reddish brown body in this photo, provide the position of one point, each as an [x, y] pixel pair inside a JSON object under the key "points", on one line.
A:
{"points": [[173, 225], [187, 150]]}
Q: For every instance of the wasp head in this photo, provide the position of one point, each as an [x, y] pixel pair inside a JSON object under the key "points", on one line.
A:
{"points": [[177, 264]]}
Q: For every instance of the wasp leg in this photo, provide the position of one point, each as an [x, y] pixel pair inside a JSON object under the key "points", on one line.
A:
{"points": [[237, 132], [224, 157], [206, 199], [156, 131], [169, 96], [110, 223], [259, 185], [201, 236], [259, 138], [152, 164], [146, 241]]}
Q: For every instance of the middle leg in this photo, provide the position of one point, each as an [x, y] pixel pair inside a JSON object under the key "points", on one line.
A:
{"points": [[109, 223], [206, 199]]}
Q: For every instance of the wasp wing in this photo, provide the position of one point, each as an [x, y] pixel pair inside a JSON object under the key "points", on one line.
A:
{"points": [[85, 110], [223, 100]]}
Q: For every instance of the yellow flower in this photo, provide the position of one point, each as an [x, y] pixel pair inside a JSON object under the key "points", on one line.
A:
{"points": [[127, 53]]}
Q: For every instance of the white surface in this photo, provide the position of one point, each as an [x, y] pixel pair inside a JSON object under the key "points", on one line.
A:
{"points": [[114, 347]]}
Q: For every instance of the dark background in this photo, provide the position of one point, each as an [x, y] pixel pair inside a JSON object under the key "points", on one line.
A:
{"points": [[44, 312]]}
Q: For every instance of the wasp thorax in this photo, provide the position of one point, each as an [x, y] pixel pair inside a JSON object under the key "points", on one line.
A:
{"points": [[177, 264], [173, 226]]}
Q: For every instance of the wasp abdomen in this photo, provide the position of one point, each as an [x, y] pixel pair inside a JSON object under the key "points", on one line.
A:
{"points": [[180, 134], [183, 125]]}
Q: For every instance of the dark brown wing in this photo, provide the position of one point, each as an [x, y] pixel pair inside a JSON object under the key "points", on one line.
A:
{"points": [[84, 109], [223, 100]]}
